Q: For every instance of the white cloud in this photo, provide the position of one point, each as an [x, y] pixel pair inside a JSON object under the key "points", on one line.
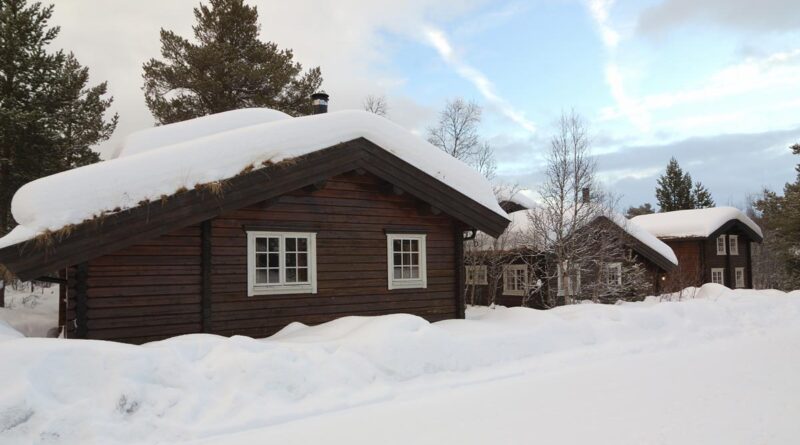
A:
{"points": [[438, 40]]}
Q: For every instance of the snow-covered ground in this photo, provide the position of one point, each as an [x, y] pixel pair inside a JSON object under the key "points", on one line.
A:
{"points": [[34, 313], [718, 368]]}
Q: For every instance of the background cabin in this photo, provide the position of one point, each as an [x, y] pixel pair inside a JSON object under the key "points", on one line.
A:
{"points": [[712, 245]]}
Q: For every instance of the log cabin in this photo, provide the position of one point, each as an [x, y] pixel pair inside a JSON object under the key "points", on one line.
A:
{"points": [[512, 271], [243, 222], [713, 245]]}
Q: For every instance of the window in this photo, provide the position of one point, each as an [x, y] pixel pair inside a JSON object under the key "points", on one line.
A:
{"points": [[476, 275], [739, 271], [515, 279], [721, 245], [570, 285], [718, 276], [614, 273], [733, 241], [281, 263], [407, 269]]}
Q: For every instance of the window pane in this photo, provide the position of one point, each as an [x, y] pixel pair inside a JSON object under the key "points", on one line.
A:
{"points": [[415, 272], [406, 259], [302, 259], [398, 259], [291, 275], [261, 259], [302, 245], [302, 275], [406, 272], [398, 272], [261, 244], [274, 244], [406, 245], [413, 245], [291, 243], [414, 257], [396, 245], [261, 276], [291, 259], [274, 260], [274, 276]]}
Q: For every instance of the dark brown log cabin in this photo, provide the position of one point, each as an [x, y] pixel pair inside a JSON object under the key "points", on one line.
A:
{"points": [[520, 276], [719, 253], [307, 241]]}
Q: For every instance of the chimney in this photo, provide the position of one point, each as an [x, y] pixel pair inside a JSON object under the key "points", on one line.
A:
{"points": [[586, 198], [319, 103]]}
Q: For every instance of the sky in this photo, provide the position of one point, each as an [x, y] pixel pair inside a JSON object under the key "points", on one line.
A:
{"points": [[714, 83]]}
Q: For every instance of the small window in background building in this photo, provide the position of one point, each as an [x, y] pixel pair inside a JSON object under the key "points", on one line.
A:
{"points": [[515, 279], [721, 245], [718, 276], [614, 273], [733, 247], [739, 277], [476, 275]]}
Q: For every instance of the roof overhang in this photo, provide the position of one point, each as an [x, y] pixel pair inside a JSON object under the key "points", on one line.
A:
{"points": [[93, 238]]}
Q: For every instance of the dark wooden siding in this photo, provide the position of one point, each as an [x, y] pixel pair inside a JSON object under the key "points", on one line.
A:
{"points": [[154, 289], [696, 258], [350, 216]]}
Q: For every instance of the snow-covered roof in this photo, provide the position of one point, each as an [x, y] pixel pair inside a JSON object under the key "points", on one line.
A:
{"points": [[697, 223], [524, 198], [519, 231], [155, 137], [167, 159]]}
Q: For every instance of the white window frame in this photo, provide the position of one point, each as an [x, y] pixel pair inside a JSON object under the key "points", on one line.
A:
{"points": [[722, 245], [570, 290], [739, 278], [618, 268], [475, 274], [407, 283], [721, 272], [507, 275], [733, 244], [282, 287]]}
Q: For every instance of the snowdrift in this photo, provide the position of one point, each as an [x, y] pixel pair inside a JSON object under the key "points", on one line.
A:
{"points": [[203, 385]]}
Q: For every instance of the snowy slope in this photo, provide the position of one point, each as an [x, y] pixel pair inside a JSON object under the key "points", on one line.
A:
{"points": [[73, 196], [692, 223], [204, 386]]}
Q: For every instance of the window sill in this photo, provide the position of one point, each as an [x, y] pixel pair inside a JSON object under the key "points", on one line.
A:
{"points": [[516, 293], [416, 284], [282, 290]]}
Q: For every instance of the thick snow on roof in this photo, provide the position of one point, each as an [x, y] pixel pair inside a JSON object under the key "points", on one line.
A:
{"points": [[519, 231], [76, 195], [524, 198], [692, 223], [156, 137]]}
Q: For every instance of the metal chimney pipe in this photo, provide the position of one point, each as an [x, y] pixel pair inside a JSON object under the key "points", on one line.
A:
{"points": [[319, 103]]}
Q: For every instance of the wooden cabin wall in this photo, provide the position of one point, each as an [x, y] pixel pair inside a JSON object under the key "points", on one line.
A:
{"points": [[154, 290]]}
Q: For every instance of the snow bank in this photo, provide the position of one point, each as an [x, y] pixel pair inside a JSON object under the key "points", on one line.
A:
{"points": [[7, 332], [692, 223], [73, 196], [196, 386]]}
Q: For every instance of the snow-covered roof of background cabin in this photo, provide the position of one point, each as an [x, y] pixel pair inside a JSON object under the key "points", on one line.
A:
{"points": [[77, 195], [697, 223], [524, 198], [521, 225]]}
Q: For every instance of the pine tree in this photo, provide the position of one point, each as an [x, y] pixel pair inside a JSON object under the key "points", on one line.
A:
{"points": [[702, 197], [227, 68], [644, 209], [49, 117], [674, 191], [781, 217]]}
